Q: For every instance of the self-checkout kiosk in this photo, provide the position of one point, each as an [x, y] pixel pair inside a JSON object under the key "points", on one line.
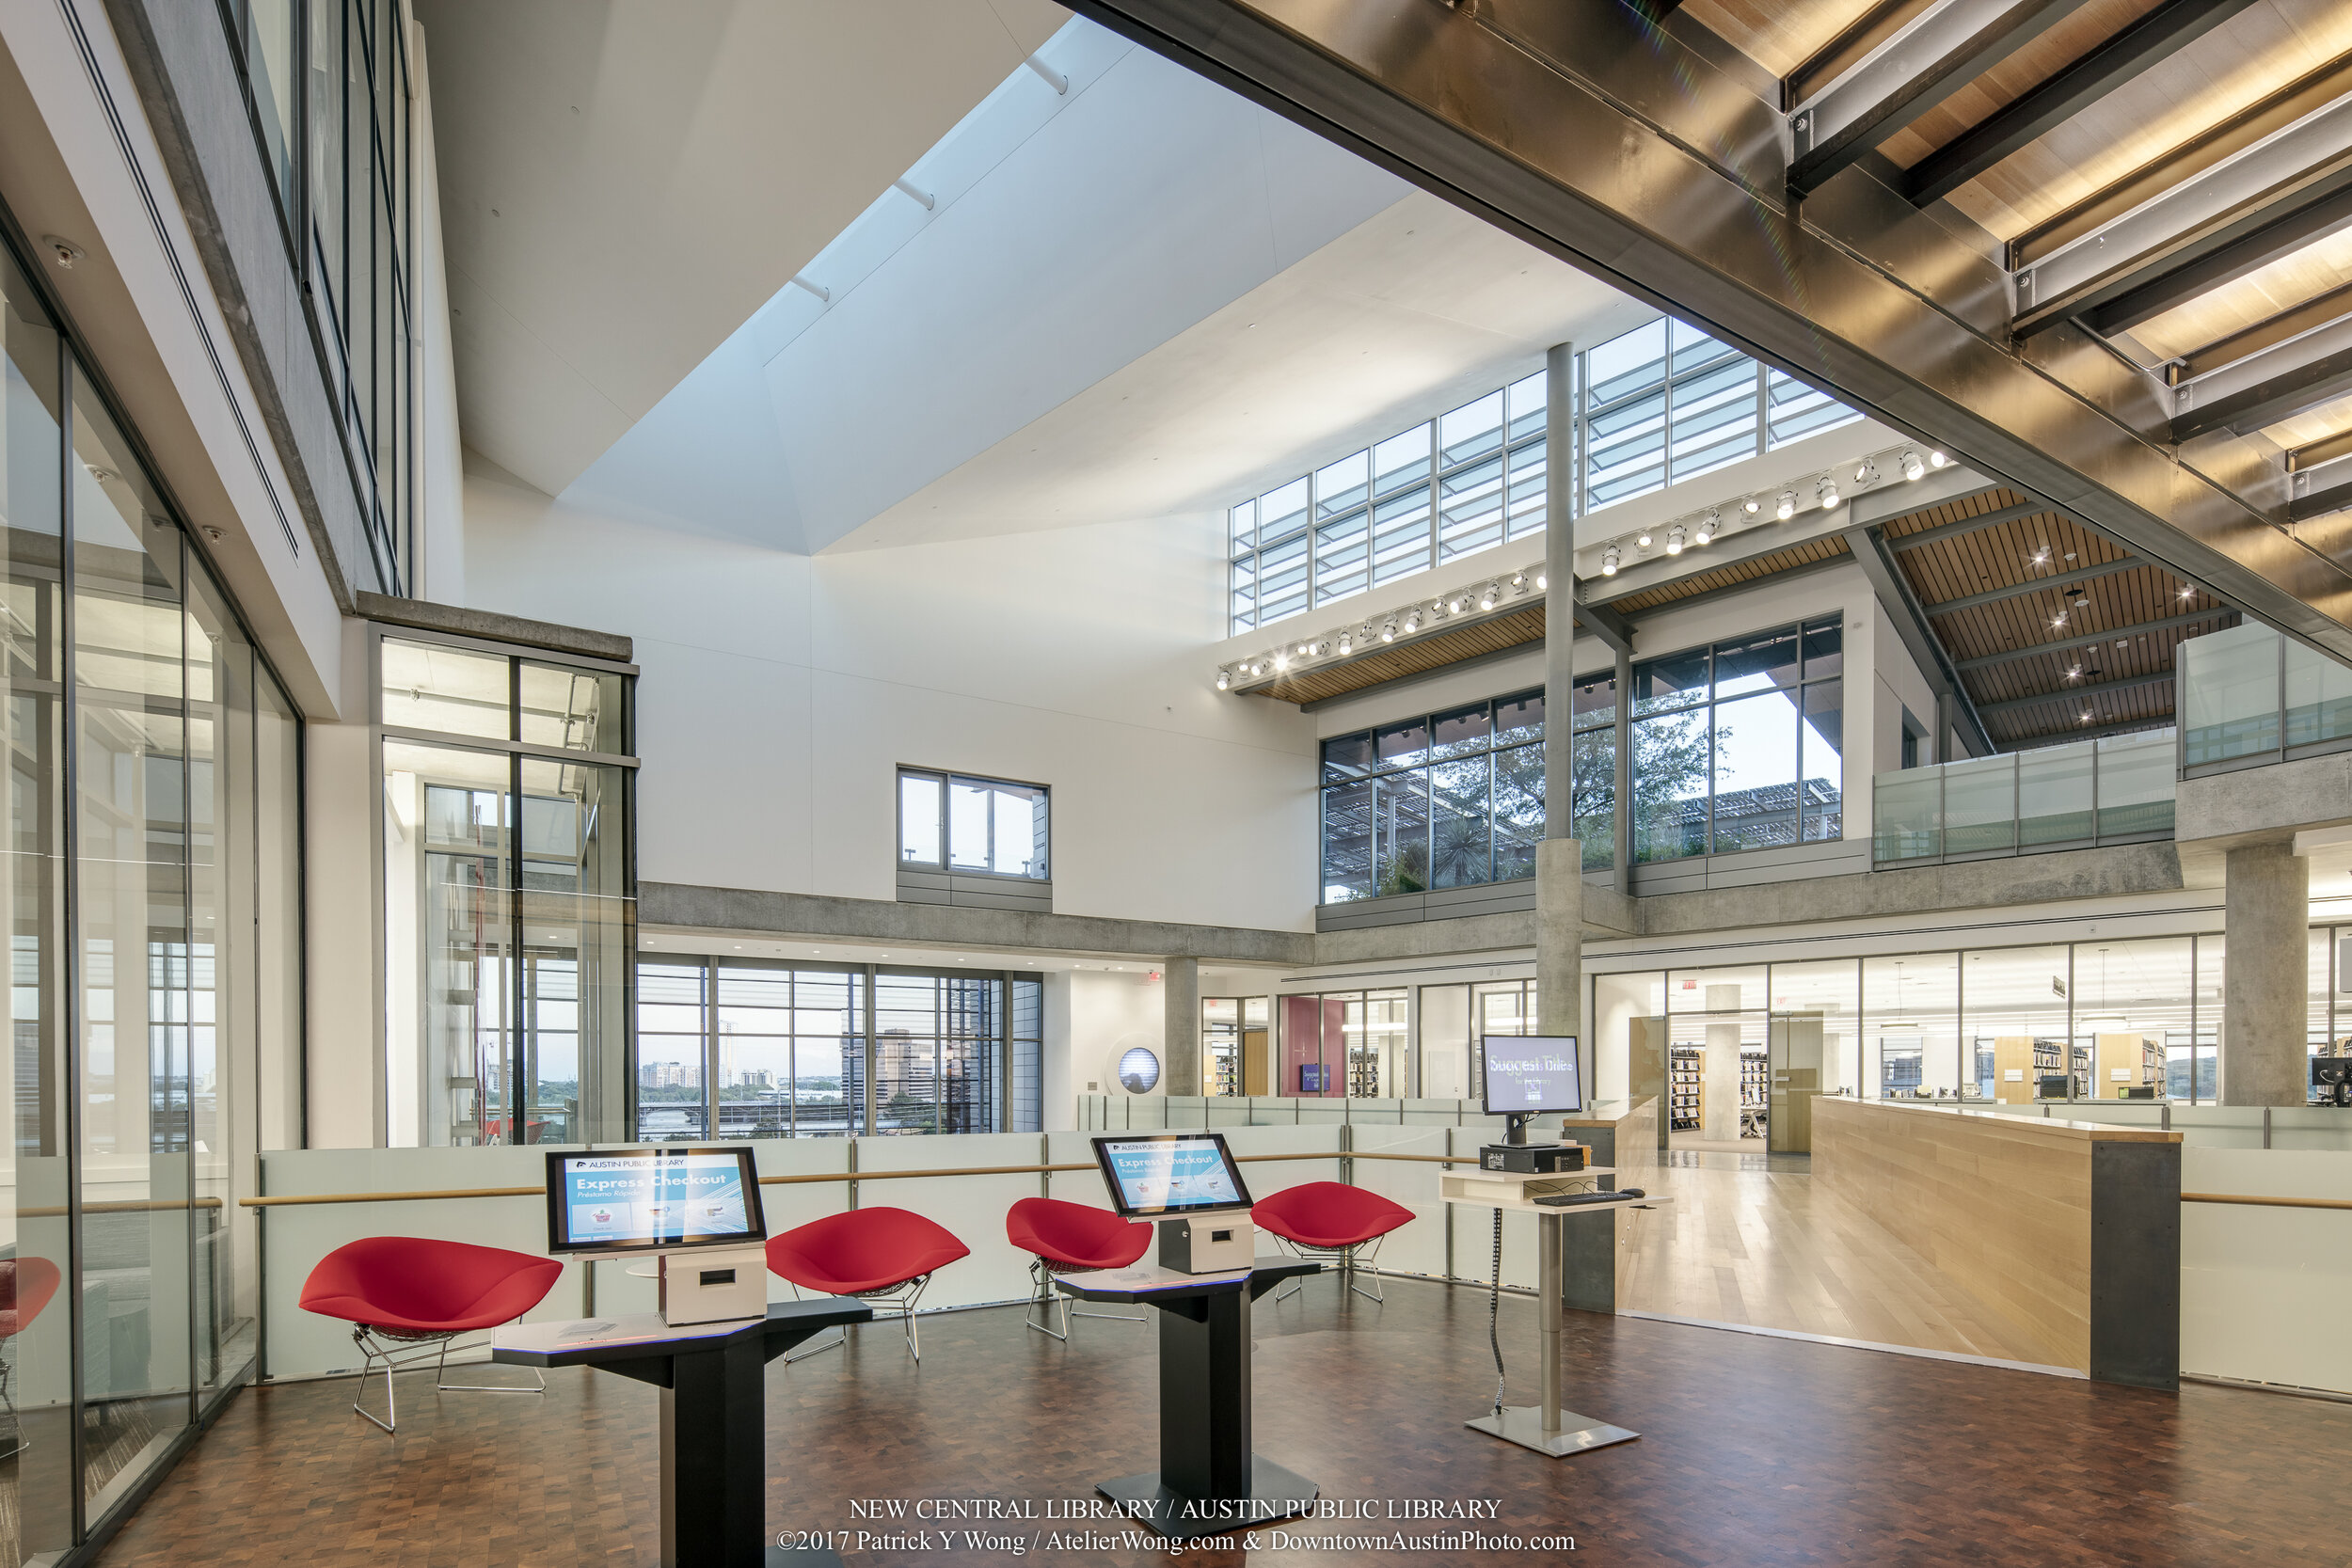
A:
{"points": [[694, 1210], [1188, 1184]]}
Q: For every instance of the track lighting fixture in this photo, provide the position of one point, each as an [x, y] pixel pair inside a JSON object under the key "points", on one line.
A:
{"points": [[1708, 524], [1866, 472], [1281, 662], [1751, 506], [1347, 644], [1828, 491], [1486, 600], [1674, 540], [1641, 541], [1540, 580], [1936, 460], [1913, 467], [1787, 507], [1224, 680], [1387, 633], [1609, 562]]}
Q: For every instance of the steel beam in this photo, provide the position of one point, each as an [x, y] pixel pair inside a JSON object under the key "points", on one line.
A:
{"points": [[2290, 392], [2227, 222], [2093, 639], [1608, 624], [2019, 590], [2319, 503], [2328, 448], [2028, 118], [2305, 95], [2075, 693], [1942, 53], [1899, 543], [1608, 143], [2318, 311], [1910, 620], [1849, 49]]}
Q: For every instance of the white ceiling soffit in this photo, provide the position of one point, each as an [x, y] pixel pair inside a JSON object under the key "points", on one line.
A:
{"points": [[1416, 309], [1143, 297], [622, 184]]}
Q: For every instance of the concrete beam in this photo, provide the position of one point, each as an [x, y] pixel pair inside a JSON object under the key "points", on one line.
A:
{"points": [[796, 914], [458, 621], [2263, 805], [2112, 871]]}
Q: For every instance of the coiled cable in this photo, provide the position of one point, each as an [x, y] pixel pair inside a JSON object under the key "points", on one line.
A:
{"points": [[1494, 1313]]}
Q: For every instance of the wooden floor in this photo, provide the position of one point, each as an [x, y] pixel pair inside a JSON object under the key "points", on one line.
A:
{"points": [[1755, 1450], [1747, 1239]]}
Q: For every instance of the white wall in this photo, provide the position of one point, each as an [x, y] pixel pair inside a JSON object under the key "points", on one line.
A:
{"points": [[1898, 684], [1111, 1012], [440, 460], [780, 691]]}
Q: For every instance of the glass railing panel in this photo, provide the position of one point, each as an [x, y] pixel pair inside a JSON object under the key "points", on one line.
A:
{"points": [[2229, 687], [1981, 805], [2219, 1126], [2054, 794], [1907, 815], [2136, 781], [2324, 1127], [2319, 697]]}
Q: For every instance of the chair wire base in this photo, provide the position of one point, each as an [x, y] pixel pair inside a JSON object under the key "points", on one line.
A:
{"points": [[898, 1301], [1351, 1265], [402, 1352], [1043, 1294], [17, 1441]]}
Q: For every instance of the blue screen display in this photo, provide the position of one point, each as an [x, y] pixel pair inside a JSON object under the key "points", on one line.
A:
{"points": [[1171, 1174], [652, 1199]]}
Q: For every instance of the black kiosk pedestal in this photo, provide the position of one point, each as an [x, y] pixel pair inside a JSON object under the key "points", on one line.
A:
{"points": [[714, 1449], [1208, 1483]]}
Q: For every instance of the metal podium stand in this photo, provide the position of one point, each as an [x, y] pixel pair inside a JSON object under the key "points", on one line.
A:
{"points": [[1545, 1427]]}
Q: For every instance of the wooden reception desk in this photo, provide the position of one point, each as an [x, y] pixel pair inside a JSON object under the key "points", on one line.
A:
{"points": [[2070, 1230]]}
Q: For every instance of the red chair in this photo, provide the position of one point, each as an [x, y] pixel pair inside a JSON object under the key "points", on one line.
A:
{"points": [[410, 1291], [1334, 1219], [882, 1255], [1066, 1238], [25, 1286]]}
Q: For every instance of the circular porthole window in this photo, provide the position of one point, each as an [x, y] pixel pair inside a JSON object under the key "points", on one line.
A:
{"points": [[1138, 1071]]}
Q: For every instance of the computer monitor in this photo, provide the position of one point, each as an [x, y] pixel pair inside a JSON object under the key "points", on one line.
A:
{"points": [[665, 1198], [1162, 1175], [1531, 1074]]}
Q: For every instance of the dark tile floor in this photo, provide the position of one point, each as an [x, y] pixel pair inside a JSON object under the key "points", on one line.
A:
{"points": [[1754, 1450]]}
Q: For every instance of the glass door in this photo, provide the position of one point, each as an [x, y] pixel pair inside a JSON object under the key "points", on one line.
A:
{"points": [[1793, 1058]]}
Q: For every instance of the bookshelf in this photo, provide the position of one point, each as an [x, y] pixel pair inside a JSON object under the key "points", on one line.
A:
{"points": [[1686, 1088]]}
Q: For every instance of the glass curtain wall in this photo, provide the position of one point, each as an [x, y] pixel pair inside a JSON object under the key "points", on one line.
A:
{"points": [[767, 1049], [156, 1038], [1448, 799], [2096, 1020], [509, 894], [327, 81], [1655, 406], [1739, 746]]}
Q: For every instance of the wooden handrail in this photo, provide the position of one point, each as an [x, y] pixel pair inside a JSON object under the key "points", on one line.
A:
{"points": [[299, 1199], [2267, 1202], [121, 1206]]}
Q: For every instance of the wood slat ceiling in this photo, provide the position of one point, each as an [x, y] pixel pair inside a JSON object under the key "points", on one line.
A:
{"points": [[1811, 552], [1434, 650], [2081, 652]]}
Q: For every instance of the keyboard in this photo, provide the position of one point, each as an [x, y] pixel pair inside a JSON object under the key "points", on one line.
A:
{"points": [[1571, 1200]]}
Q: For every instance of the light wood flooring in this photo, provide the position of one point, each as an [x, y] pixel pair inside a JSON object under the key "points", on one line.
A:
{"points": [[1743, 1243]]}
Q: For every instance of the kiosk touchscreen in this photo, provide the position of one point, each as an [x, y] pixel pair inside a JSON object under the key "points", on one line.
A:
{"points": [[1189, 1183], [681, 1198]]}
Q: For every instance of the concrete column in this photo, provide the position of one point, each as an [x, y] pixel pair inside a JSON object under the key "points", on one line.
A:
{"points": [[1560, 940], [1181, 1057], [2268, 910], [1721, 1120], [1560, 858]]}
